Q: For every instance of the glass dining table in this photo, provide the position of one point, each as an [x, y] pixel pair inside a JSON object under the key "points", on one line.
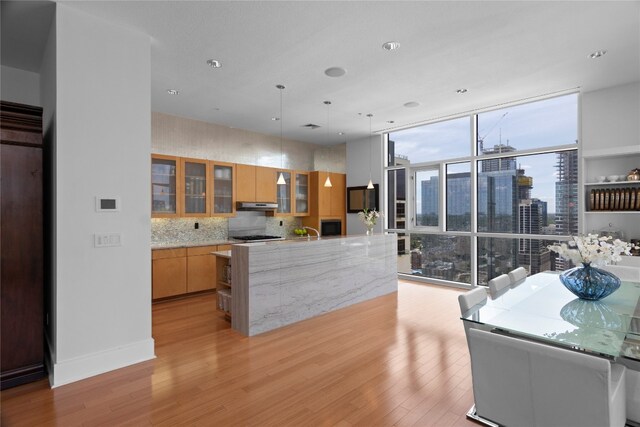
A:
{"points": [[542, 309]]}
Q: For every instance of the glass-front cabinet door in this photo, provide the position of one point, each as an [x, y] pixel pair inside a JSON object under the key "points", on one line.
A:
{"points": [[223, 189], [164, 186], [284, 193], [195, 185], [301, 206]]}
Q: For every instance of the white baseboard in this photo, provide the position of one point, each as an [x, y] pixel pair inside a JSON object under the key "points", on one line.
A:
{"points": [[79, 368]]}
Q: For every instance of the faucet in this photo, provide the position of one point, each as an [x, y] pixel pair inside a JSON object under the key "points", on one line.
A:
{"points": [[311, 228]]}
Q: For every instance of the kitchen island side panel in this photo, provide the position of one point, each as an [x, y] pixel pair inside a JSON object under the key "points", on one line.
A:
{"points": [[285, 282]]}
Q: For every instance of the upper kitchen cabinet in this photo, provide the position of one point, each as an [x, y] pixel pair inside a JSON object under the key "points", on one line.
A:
{"points": [[338, 194], [246, 185], [284, 193], [224, 188], [164, 186], [327, 201], [255, 184], [301, 193], [266, 184], [195, 183]]}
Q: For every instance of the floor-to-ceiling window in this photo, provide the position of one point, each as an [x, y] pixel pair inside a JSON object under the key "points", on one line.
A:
{"points": [[479, 195]]}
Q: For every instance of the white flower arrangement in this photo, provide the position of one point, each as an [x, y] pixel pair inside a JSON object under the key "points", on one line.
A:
{"points": [[592, 249], [369, 217]]}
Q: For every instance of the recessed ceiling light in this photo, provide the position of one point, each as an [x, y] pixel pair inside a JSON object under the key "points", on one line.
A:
{"points": [[172, 91], [462, 90], [391, 45], [335, 72], [411, 104], [597, 54], [213, 63], [340, 133], [275, 119], [391, 121]]}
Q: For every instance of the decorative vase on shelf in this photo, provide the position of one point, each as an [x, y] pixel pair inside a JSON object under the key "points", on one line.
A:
{"points": [[369, 229], [590, 283]]}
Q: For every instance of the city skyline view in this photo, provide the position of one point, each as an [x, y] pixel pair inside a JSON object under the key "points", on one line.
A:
{"points": [[521, 127]]}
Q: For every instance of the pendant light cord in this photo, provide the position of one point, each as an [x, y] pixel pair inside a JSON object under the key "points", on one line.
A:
{"points": [[281, 180], [370, 185], [327, 182]]}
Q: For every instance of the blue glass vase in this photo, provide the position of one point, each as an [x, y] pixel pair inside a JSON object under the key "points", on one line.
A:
{"points": [[589, 282]]}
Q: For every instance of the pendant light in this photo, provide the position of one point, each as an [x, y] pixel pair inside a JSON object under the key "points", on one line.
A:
{"points": [[327, 182], [370, 185], [281, 180]]}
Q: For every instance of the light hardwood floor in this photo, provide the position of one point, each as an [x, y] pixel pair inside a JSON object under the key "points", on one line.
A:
{"points": [[398, 360]]}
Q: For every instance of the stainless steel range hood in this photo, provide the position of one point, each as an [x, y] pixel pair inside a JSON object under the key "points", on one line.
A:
{"points": [[256, 206]]}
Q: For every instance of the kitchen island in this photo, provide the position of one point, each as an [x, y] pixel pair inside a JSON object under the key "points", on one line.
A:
{"points": [[279, 283]]}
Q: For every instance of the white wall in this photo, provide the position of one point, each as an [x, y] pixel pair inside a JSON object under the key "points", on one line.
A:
{"points": [[611, 117], [48, 98], [179, 136], [19, 86], [359, 153], [103, 144]]}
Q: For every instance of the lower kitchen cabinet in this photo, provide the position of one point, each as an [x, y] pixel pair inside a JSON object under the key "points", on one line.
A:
{"points": [[169, 272], [201, 268], [183, 271]]}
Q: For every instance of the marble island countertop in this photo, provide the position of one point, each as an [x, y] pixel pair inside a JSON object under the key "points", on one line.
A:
{"points": [[297, 240], [176, 245], [313, 239]]}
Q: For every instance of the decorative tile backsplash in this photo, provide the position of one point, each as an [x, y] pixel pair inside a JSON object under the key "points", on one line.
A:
{"points": [[182, 230]]}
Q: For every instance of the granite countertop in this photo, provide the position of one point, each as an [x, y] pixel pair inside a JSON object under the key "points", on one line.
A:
{"points": [[176, 245]]}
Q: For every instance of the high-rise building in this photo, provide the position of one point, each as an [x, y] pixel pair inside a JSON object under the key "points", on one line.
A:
{"points": [[566, 218], [459, 201], [430, 202], [533, 253]]}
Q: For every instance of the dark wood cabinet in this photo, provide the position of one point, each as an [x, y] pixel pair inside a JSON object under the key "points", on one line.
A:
{"points": [[21, 244]]}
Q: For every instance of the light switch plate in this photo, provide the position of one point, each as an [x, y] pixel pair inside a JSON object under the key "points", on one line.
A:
{"points": [[105, 240]]}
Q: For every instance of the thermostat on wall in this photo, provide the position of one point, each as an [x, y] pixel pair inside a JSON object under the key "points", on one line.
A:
{"points": [[107, 204]]}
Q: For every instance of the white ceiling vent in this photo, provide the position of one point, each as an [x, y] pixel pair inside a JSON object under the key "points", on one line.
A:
{"points": [[311, 126]]}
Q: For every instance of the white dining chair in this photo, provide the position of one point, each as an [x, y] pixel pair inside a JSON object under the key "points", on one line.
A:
{"points": [[471, 298], [498, 283], [524, 383], [518, 275], [624, 272], [467, 301]]}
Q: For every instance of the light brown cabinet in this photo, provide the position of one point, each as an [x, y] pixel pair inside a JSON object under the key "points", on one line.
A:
{"points": [[266, 184], [224, 188], [246, 183], [301, 193], [169, 272], [201, 268], [196, 188], [284, 193], [326, 202], [255, 183], [338, 195], [182, 271], [165, 186]]}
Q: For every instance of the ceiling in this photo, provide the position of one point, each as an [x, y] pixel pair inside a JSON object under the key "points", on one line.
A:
{"points": [[499, 51]]}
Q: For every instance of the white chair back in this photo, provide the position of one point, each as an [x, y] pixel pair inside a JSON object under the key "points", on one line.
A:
{"points": [[469, 299], [624, 273], [524, 383], [518, 275], [498, 283]]}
